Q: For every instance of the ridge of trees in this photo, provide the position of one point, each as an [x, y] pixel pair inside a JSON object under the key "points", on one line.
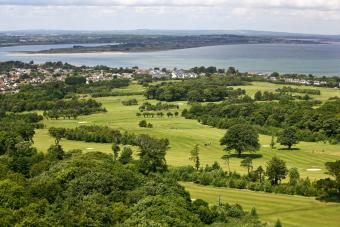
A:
{"points": [[311, 124]]}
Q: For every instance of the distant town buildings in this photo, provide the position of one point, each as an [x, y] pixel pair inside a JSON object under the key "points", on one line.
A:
{"points": [[181, 74], [12, 80], [305, 82]]}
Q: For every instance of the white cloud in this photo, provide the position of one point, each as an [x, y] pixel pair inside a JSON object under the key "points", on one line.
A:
{"points": [[284, 4], [312, 16]]}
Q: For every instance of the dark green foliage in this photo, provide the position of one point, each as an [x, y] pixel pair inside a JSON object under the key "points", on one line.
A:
{"points": [[49, 96], [146, 106], [331, 186], [115, 148], [92, 190], [294, 176], [75, 80], [196, 90], [278, 223], [311, 124], [55, 152], [143, 124], [254, 181], [71, 109], [57, 134], [130, 102], [241, 138], [93, 133], [152, 154], [276, 170], [299, 90], [150, 212], [288, 137], [126, 155], [22, 157]]}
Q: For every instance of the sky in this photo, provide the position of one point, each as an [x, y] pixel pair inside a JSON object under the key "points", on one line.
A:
{"points": [[301, 16]]}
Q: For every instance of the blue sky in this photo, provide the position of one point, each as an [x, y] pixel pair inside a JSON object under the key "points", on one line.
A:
{"points": [[304, 16]]}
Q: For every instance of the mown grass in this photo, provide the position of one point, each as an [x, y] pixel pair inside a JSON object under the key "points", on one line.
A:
{"points": [[293, 211], [184, 134]]}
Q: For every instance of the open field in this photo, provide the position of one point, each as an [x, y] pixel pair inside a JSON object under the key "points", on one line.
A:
{"points": [[184, 134], [293, 211]]}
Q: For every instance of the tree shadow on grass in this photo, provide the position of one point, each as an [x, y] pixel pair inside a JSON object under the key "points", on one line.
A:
{"points": [[291, 149], [243, 156], [334, 198]]}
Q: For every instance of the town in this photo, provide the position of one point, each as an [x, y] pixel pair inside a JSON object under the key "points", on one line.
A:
{"points": [[15, 74]]}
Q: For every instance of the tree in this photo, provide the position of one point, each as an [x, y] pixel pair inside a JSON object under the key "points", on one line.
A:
{"points": [[226, 158], [247, 163], [241, 138], [194, 156], [258, 96], [126, 155], [57, 133], [143, 124], [115, 148], [75, 80], [259, 172], [288, 137], [272, 142], [278, 223], [56, 152], [294, 176], [333, 169], [231, 71], [22, 157], [152, 154], [253, 212], [276, 170]]}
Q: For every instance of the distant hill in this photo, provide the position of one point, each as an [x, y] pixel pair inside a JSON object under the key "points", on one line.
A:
{"points": [[172, 32]]}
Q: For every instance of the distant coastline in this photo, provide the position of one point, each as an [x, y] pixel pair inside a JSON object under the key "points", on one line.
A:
{"points": [[41, 54], [144, 44]]}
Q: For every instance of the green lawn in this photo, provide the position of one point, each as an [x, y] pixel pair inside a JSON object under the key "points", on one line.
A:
{"points": [[184, 134], [293, 211]]}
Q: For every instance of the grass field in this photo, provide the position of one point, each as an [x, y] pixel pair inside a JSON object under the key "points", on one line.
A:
{"points": [[293, 211], [184, 134]]}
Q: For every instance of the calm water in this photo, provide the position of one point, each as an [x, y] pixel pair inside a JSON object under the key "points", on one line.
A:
{"points": [[290, 58]]}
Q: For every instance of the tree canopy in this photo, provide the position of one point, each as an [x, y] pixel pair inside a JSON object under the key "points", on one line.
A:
{"points": [[241, 138]]}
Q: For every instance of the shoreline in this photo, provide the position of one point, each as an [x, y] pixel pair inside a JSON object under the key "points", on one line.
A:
{"points": [[24, 54]]}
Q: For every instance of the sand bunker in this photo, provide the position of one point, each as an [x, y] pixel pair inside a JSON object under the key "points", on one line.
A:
{"points": [[82, 122], [89, 148], [313, 170]]}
